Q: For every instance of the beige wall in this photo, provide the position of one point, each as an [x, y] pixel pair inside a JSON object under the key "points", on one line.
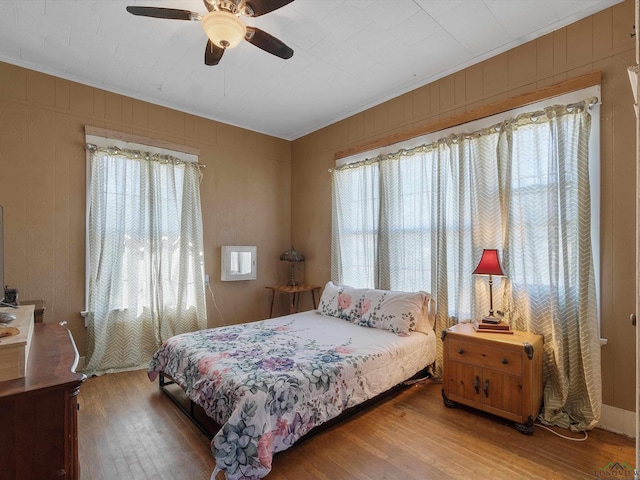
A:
{"points": [[246, 192], [600, 42]]}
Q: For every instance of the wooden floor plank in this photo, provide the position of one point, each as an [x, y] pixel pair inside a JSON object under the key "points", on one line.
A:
{"points": [[129, 429]]}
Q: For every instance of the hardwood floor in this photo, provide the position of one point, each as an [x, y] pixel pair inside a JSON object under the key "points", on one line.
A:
{"points": [[129, 430]]}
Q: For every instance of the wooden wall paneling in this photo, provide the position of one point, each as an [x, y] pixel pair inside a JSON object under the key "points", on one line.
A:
{"points": [[113, 107], [621, 210], [175, 123], [607, 236], [560, 51], [40, 183], [14, 81], [13, 160], [522, 65], [474, 83], [421, 102], [380, 118], [580, 42], [41, 89], [99, 103], [63, 94], [140, 115], [158, 118], [602, 32], [623, 19], [544, 56], [127, 111], [57, 292], [447, 100], [81, 99], [495, 74]]}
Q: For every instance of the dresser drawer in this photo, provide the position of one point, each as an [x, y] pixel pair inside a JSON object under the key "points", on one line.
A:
{"points": [[504, 361]]}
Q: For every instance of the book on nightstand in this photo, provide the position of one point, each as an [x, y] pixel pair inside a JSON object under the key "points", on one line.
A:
{"points": [[480, 326]]}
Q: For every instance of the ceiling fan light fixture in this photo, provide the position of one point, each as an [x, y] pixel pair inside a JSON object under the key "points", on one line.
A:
{"points": [[223, 28]]}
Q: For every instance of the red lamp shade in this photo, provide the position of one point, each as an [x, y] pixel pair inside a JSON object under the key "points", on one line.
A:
{"points": [[489, 263]]}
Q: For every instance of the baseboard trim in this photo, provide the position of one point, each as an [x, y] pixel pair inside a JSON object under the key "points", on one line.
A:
{"points": [[617, 420]]}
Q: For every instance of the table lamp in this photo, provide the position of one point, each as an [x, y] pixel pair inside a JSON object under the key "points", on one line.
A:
{"points": [[490, 265], [292, 256]]}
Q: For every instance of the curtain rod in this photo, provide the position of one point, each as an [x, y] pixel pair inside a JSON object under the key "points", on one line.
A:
{"points": [[402, 150], [93, 147], [138, 139]]}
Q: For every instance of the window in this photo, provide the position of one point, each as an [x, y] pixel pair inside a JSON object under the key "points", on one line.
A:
{"points": [[424, 193], [145, 272]]}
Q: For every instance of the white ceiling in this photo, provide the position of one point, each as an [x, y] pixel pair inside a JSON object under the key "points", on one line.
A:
{"points": [[349, 54]]}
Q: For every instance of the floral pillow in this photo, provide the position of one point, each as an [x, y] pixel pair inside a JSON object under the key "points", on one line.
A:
{"points": [[398, 312]]}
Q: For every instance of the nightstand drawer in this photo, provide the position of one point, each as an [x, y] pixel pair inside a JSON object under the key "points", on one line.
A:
{"points": [[504, 361]]}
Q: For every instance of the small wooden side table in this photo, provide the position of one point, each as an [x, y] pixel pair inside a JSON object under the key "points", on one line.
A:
{"points": [[294, 295]]}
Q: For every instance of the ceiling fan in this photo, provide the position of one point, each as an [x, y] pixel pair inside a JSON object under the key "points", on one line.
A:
{"points": [[223, 26]]}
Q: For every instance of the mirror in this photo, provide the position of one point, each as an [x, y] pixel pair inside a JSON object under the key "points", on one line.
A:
{"points": [[238, 262]]}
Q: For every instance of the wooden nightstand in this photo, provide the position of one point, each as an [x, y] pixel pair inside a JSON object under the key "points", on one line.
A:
{"points": [[496, 373], [294, 295]]}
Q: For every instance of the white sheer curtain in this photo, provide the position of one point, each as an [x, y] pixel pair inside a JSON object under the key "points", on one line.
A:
{"points": [[548, 256], [419, 219], [146, 268]]}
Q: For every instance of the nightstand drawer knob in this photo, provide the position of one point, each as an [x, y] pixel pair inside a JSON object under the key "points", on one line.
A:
{"points": [[505, 361], [460, 351]]}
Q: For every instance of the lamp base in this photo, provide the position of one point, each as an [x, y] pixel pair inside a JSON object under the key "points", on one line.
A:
{"points": [[292, 281], [491, 319]]}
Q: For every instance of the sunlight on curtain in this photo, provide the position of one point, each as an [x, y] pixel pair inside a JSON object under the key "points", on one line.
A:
{"points": [[418, 219], [544, 162], [355, 216], [146, 266]]}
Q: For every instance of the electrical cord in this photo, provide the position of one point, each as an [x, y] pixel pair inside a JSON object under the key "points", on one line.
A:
{"points": [[213, 297], [423, 381], [586, 435]]}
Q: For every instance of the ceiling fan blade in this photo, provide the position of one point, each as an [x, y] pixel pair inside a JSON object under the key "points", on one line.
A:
{"points": [[260, 7], [170, 13], [212, 54], [268, 43]]}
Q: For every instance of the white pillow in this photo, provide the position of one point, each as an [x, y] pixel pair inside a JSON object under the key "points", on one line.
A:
{"points": [[333, 302], [398, 312]]}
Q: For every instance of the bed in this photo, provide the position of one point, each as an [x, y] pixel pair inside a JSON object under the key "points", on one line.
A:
{"points": [[268, 383]]}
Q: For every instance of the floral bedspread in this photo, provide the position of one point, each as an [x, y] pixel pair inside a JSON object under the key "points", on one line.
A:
{"points": [[268, 383]]}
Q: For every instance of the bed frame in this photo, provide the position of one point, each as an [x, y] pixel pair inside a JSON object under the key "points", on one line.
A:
{"points": [[165, 381]]}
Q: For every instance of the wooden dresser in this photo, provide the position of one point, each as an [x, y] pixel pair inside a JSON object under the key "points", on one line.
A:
{"points": [[494, 372], [38, 413]]}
